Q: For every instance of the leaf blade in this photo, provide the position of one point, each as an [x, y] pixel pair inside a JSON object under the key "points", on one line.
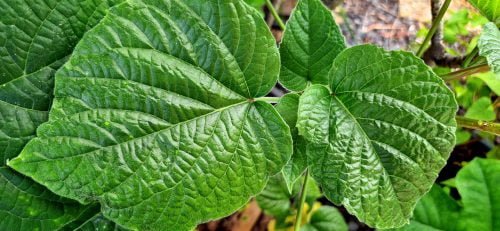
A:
{"points": [[376, 95], [310, 41]]}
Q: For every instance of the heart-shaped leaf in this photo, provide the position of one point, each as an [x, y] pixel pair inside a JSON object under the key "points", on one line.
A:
{"points": [[383, 131], [310, 42], [326, 218], [489, 47], [154, 115]]}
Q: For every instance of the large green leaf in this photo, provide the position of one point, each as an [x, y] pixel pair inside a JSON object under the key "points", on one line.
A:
{"points": [[287, 107], [489, 46], [26, 205], [154, 115], [382, 133], [435, 211], [35, 39], [310, 42], [488, 8], [477, 184], [326, 218]]}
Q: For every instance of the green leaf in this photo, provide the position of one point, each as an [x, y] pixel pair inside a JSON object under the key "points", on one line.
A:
{"points": [[310, 42], [435, 211], [274, 200], [477, 184], [482, 109], [26, 205], [488, 8], [287, 108], [36, 37], [154, 115], [491, 79], [489, 46], [382, 134], [326, 218]]}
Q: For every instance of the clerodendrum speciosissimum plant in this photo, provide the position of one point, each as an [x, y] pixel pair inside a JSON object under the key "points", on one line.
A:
{"points": [[159, 114]]}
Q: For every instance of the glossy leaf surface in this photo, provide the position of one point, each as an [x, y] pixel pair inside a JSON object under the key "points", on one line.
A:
{"points": [[154, 115], [383, 132], [310, 42], [488, 8]]}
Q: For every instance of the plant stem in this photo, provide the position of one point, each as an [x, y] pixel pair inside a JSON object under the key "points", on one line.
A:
{"points": [[268, 99], [490, 127], [434, 27], [465, 72], [302, 201], [469, 57], [275, 14]]}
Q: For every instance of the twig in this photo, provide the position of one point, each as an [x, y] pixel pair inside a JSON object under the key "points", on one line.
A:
{"points": [[435, 24], [490, 127], [275, 14], [302, 201], [465, 72]]}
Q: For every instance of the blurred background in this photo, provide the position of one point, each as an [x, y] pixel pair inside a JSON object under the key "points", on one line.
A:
{"points": [[394, 25]]}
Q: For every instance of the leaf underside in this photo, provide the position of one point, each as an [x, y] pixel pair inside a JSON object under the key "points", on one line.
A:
{"points": [[382, 132], [154, 115], [489, 47], [310, 42]]}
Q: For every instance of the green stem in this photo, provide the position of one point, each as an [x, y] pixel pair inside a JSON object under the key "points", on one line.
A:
{"points": [[465, 72], [302, 201], [470, 56], [434, 27], [275, 14], [490, 127], [268, 99]]}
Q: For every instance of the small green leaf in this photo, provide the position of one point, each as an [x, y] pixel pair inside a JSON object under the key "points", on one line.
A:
{"points": [[491, 79], [382, 133], [326, 218], [477, 184], [435, 211], [310, 42], [25, 205], [482, 109], [287, 107], [274, 200], [488, 8], [489, 46], [154, 115]]}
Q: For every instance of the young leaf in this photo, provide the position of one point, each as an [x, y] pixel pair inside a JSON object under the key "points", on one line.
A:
{"points": [[326, 218], [36, 37], [488, 8], [477, 184], [482, 109], [310, 42], [489, 46], [26, 205], [382, 134], [287, 107], [154, 115], [435, 211]]}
